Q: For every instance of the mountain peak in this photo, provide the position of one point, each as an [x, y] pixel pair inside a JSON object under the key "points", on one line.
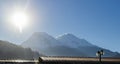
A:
{"points": [[40, 38], [72, 41], [67, 35]]}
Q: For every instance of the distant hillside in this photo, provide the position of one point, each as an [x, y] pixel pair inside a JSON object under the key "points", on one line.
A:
{"points": [[64, 45], [12, 51]]}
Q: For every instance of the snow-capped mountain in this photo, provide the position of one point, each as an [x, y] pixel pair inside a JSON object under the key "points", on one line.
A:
{"points": [[72, 41], [64, 45], [40, 40]]}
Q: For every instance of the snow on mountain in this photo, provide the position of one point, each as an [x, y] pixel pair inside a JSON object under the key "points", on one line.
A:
{"points": [[72, 41], [64, 45], [46, 40], [40, 40]]}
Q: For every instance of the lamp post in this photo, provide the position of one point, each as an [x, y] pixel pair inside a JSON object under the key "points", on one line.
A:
{"points": [[99, 54]]}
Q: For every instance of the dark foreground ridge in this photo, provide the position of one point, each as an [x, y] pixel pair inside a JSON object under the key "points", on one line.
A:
{"points": [[64, 60]]}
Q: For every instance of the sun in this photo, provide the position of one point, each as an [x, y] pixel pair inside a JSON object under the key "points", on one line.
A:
{"points": [[19, 19]]}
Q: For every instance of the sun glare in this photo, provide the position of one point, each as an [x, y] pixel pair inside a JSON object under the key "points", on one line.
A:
{"points": [[19, 19]]}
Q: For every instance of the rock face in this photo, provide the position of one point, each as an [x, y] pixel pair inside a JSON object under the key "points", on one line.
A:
{"points": [[64, 45], [12, 51]]}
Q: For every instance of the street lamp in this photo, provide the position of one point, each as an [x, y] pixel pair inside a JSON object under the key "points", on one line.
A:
{"points": [[99, 54]]}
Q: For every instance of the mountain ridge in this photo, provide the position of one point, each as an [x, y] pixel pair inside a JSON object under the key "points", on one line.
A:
{"points": [[9, 50], [50, 46]]}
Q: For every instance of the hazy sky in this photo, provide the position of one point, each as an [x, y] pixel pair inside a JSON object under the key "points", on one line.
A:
{"points": [[97, 21]]}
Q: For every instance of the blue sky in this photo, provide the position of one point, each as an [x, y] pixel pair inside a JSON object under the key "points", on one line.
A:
{"points": [[97, 21]]}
